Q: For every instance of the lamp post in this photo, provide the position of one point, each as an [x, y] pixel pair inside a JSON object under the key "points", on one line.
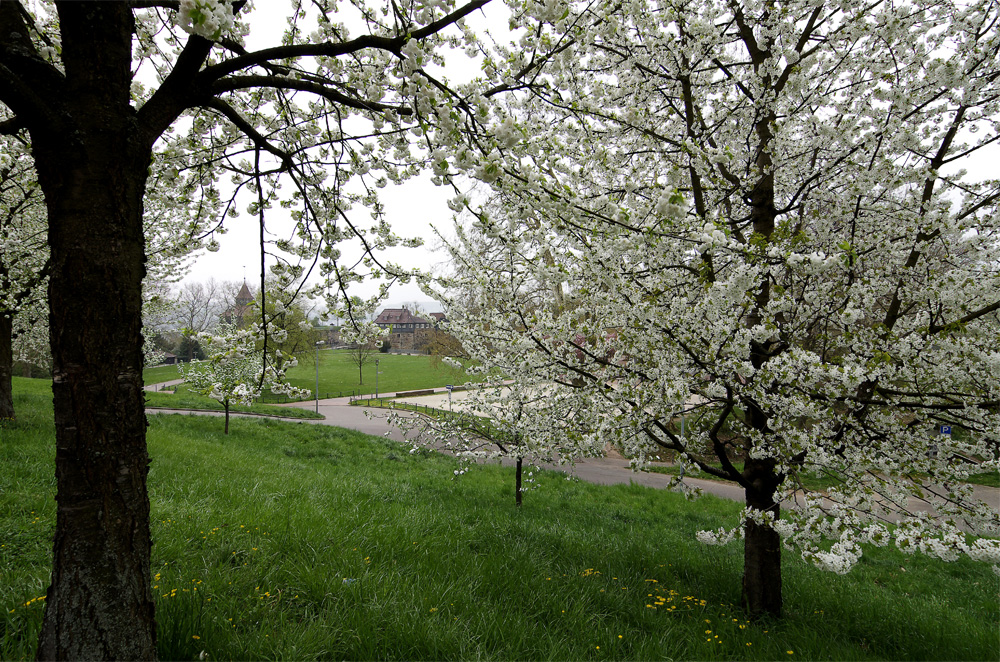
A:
{"points": [[376, 379], [318, 343]]}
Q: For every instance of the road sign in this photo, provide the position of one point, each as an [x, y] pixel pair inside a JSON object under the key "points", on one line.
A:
{"points": [[945, 429], [449, 386]]}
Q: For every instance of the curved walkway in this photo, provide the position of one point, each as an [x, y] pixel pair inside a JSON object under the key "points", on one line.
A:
{"points": [[602, 471]]}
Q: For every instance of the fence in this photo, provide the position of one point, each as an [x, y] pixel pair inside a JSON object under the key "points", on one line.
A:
{"points": [[270, 398]]}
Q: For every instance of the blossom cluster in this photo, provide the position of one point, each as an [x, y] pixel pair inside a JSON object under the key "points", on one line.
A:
{"points": [[205, 18]]}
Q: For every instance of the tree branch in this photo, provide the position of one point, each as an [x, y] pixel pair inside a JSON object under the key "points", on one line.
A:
{"points": [[251, 132], [390, 44], [12, 126], [29, 85], [246, 82]]}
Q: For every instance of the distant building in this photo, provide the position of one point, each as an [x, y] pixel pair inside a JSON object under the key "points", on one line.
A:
{"points": [[407, 331], [235, 313]]}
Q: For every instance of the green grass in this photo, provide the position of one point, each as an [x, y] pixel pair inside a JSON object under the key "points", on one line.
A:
{"points": [[186, 399], [397, 372], [990, 479], [338, 376], [182, 399], [159, 374], [286, 540]]}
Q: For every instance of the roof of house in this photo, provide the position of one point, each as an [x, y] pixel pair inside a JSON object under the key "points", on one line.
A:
{"points": [[243, 297], [398, 316], [234, 314]]}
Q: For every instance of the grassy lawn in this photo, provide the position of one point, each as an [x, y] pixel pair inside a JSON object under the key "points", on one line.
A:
{"points": [[183, 399], [160, 373], [397, 372], [338, 376], [286, 540]]}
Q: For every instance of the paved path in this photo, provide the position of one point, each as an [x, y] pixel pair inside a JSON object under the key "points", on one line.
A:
{"points": [[602, 471]]}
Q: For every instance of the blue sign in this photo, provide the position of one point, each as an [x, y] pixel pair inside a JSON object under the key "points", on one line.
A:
{"points": [[945, 429], [449, 386]]}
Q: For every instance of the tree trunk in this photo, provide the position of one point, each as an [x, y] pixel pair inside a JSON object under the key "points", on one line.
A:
{"points": [[6, 367], [762, 545], [517, 483], [226, 405], [92, 168]]}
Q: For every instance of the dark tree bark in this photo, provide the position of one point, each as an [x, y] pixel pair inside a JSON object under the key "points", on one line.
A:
{"points": [[761, 594], [92, 165], [517, 483], [6, 367], [226, 405]]}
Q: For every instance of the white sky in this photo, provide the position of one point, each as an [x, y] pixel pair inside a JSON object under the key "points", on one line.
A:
{"points": [[411, 208]]}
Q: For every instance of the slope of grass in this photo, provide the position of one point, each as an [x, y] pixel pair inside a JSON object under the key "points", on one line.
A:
{"points": [[184, 398], [286, 540]]}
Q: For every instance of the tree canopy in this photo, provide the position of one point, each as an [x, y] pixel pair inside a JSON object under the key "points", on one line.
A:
{"points": [[741, 233]]}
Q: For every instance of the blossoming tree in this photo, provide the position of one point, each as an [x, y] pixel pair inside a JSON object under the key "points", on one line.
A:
{"points": [[492, 424], [762, 255], [113, 93], [22, 258], [364, 339], [235, 370]]}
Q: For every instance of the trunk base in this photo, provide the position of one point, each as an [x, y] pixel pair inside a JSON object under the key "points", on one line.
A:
{"points": [[762, 544], [6, 368], [517, 484]]}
